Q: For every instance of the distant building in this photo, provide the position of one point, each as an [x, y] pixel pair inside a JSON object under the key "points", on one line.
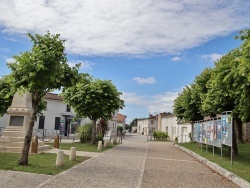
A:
{"points": [[165, 122], [147, 125], [117, 120]]}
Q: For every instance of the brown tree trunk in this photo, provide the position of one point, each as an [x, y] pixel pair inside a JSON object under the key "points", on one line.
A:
{"points": [[235, 148], [27, 140], [94, 132], [240, 132]]}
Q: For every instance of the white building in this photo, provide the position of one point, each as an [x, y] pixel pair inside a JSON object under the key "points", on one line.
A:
{"points": [[58, 118], [168, 123], [147, 125]]}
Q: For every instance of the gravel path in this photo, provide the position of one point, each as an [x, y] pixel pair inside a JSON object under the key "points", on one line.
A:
{"points": [[134, 164], [167, 166]]}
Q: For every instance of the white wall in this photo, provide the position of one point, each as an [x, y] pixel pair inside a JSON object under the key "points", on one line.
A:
{"points": [[183, 131], [144, 125], [55, 108], [176, 129], [169, 124]]}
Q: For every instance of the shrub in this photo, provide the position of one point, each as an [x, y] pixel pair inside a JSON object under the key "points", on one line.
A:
{"points": [[84, 132], [99, 137], [165, 136], [119, 128], [159, 135]]}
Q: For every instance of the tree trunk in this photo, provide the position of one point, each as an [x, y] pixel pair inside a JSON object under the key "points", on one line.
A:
{"points": [[27, 140], [94, 132], [240, 133], [235, 148]]}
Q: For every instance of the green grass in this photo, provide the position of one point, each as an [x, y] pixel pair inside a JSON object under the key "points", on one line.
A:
{"points": [[43, 163], [80, 146], [241, 163]]}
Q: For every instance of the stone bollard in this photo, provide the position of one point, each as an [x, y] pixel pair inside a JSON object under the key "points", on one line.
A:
{"points": [[56, 141], [113, 141], [34, 144], [72, 155], [59, 158], [118, 140], [99, 145], [105, 143]]}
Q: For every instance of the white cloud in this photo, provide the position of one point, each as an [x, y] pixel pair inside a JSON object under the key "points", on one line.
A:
{"points": [[126, 27], [149, 80], [4, 49], [84, 64], [10, 39], [212, 57], [176, 59], [158, 103], [9, 59]]}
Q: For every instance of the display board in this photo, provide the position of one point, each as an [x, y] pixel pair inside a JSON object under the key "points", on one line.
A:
{"points": [[214, 132]]}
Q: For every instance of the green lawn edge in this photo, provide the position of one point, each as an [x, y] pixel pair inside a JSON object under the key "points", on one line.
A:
{"points": [[241, 163]]}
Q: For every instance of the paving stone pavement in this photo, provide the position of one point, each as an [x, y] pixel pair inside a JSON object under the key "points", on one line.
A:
{"points": [[135, 163]]}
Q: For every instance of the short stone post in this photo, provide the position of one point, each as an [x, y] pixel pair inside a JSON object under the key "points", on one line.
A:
{"points": [[99, 145], [105, 143], [72, 155], [113, 141], [59, 158], [118, 140], [56, 141], [34, 144]]}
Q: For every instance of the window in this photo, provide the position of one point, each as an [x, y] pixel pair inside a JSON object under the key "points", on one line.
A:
{"points": [[68, 109], [152, 122], [166, 129]]}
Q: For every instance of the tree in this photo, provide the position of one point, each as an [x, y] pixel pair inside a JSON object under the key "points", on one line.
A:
{"points": [[134, 122], [6, 95], [93, 98], [38, 71]]}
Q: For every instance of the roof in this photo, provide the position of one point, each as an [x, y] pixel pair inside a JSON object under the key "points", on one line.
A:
{"points": [[120, 117], [53, 96]]}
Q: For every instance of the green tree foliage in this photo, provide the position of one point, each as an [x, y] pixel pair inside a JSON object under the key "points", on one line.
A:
{"points": [[6, 95], [93, 98], [187, 105], [226, 87], [134, 122], [38, 71]]}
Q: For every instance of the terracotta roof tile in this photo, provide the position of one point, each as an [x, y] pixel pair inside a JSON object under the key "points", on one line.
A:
{"points": [[120, 117], [53, 96]]}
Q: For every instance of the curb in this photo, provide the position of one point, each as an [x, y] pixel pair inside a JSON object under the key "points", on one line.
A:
{"points": [[227, 174]]}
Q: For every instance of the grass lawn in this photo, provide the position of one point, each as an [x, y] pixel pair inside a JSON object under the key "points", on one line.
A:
{"points": [[241, 163], [80, 146], [43, 163]]}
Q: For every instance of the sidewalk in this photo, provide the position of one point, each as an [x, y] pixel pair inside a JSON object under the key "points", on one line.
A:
{"points": [[135, 163]]}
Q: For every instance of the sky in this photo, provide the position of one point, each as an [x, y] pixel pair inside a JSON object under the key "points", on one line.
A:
{"points": [[150, 49]]}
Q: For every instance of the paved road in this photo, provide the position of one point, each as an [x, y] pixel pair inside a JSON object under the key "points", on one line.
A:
{"points": [[133, 164]]}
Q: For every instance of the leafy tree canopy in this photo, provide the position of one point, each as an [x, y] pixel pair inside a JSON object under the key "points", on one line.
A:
{"points": [[6, 95]]}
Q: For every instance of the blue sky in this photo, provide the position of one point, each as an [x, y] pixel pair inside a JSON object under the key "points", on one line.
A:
{"points": [[149, 49]]}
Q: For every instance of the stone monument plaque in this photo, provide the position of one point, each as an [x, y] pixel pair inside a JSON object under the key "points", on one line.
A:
{"points": [[16, 120]]}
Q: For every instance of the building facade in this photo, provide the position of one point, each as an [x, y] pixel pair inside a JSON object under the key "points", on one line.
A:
{"points": [[167, 122], [147, 126], [58, 118]]}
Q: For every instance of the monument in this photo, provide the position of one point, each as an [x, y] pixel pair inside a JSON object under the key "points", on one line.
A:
{"points": [[12, 138]]}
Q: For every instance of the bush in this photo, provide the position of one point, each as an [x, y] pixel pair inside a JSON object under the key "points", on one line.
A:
{"points": [[159, 135], [119, 128], [84, 132], [99, 137]]}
